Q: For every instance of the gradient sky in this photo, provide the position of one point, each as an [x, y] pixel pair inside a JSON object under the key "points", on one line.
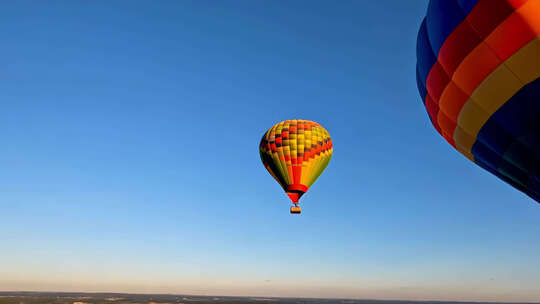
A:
{"points": [[130, 163]]}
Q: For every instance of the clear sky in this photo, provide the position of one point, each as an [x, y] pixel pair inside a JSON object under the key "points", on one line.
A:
{"points": [[129, 157]]}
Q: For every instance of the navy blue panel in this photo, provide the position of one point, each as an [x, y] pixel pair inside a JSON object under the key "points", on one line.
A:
{"points": [[442, 18], [522, 156], [525, 152], [499, 175], [534, 187], [514, 120], [521, 111], [495, 136], [485, 155], [425, 58], [420, 85], [508, 169], [509, 141], [533, 193], [529, 142], [467, 5]]}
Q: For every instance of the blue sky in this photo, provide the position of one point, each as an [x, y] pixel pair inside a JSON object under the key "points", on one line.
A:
{"points": [[129, 157]]}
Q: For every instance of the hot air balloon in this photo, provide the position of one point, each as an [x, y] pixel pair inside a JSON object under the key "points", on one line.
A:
{"points": [[296, 152], [478, 73]]}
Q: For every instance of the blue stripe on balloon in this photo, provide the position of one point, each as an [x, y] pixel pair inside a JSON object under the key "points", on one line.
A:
{"points": [[442, 17], [509, 142], [467, 5], [486, 166], [420, 85], [425, 58], [514, 119]]}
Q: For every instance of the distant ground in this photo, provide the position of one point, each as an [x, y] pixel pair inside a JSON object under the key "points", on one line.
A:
{"points": [[120, 298]]}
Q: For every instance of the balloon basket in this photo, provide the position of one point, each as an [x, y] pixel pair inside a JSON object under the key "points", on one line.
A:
{"points": [[296, 209]]}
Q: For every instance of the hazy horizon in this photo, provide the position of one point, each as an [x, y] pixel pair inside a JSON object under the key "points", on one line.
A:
{"points": [[84, 293], [130, 159]]}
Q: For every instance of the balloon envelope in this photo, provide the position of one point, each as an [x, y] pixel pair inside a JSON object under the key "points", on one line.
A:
{"points": [[295, 153], [478, 69]]}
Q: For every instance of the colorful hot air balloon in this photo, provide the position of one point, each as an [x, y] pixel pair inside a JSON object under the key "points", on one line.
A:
{"points": [[296, 152], [478, 69]]}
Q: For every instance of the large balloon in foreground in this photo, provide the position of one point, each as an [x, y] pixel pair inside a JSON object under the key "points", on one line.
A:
{"points": [[478, 72], [296, 152]]}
